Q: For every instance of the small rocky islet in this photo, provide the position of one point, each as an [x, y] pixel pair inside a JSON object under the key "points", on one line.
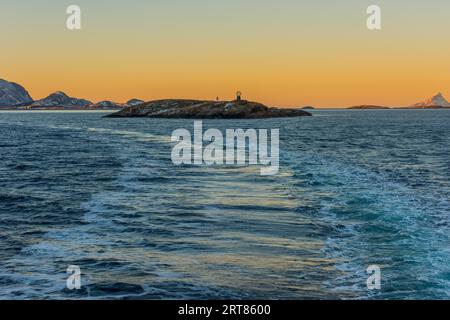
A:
{"points": [[368, 107], [199, 109]]}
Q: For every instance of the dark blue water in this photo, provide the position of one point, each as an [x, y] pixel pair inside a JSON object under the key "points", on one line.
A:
{"points": [[355, 188]]}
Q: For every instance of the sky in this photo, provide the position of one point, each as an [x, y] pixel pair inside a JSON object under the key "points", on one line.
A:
{"points": [[285, 53]]}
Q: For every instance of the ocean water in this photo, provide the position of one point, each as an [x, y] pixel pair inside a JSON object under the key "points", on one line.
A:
{"points": [[355, 188]]}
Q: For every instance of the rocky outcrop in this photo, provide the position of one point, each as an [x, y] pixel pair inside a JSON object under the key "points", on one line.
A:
{"points": [[197, 109], [438, 101], [13, 94], [60, 99]]}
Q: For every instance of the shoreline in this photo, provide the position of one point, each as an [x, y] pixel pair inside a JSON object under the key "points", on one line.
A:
{"points": [[37, 110]]}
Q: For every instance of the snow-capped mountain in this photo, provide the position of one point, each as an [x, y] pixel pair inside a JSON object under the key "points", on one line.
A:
{"points": [[107, 105], [13, 94], [60, 99], [438, 101]]}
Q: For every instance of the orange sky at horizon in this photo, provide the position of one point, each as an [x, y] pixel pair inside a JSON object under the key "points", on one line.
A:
{"points": [[287, 56]]}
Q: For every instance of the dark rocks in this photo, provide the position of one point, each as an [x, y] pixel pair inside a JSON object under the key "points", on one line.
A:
{"points": [[197, 109]]}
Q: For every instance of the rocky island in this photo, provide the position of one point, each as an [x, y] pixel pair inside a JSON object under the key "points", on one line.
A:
{"points": [[367, 107], [199, 109]]}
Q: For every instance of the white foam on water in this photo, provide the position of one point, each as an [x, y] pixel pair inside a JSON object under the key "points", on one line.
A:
{"points": [[133, 135], [393, 206]]}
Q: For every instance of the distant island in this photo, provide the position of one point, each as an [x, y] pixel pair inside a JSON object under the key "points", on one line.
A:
{"points": [[199, 109], [368, 107]]}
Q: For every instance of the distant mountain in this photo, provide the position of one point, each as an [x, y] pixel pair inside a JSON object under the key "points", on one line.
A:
{"points": [[438, 101], [60, 99], [134, 102], [107, 105], [12, 94]]}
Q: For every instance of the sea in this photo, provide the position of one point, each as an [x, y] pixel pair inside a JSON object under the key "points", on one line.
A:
{"points": [[355, 188]]}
